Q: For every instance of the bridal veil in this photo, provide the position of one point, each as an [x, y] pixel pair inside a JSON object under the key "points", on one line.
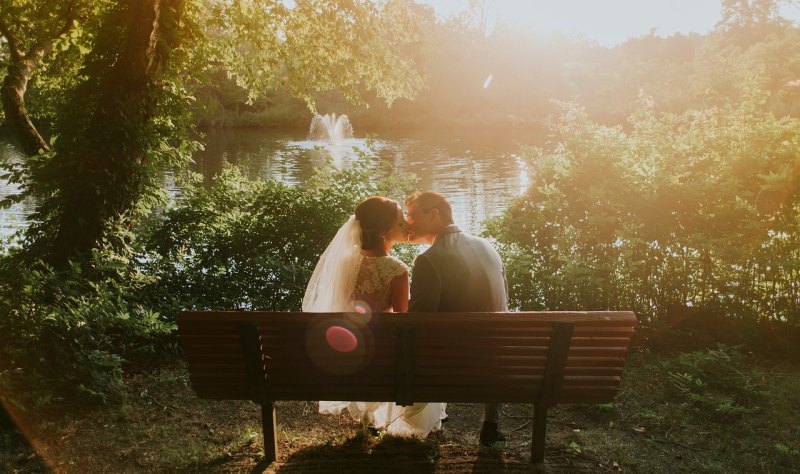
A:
{"points": [[333, 281]]}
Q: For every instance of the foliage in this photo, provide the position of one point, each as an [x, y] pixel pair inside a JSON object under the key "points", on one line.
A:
{"points": [[752, 43], [736, 420], [123, 122], [252, 244], [719, 381], [121, 127], [787, 451], [41, 37], [529, 68], [698, 209], [243, 73], [66, 335], [64, 32], [318, 45]]}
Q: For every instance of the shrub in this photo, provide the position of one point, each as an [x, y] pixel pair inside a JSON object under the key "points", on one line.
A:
{"points": [[695, 210], [252, 244], [66, 334], [721, 381]]}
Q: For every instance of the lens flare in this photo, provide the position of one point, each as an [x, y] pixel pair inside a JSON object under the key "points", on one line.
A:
{"points": [[362, 307], [340, 343], [26, 429], [488, 81], [341, 339]]}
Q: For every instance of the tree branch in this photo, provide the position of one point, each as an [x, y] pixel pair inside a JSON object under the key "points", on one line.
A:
{"points": [[164, 37], [43, 47], [13, 41]]}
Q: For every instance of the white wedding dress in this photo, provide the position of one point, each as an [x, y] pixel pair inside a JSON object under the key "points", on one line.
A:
{"points": [[342, 280]]}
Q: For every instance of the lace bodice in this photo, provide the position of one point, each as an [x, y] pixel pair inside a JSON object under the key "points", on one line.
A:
{"points": [[375, 275]]}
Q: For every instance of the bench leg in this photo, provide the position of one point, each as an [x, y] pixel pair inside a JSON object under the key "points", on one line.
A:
{"points": [[268, 426], [539, 430]]}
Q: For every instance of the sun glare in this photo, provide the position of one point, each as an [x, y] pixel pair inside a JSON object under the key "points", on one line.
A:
{"points": [[488, 81], [609, 22]]}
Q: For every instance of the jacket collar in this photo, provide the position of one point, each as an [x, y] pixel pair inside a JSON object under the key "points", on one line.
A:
{"points": [[447, 230]]}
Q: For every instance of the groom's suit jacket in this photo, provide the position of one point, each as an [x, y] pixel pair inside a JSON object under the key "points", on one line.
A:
{"points": [[458, 273]]}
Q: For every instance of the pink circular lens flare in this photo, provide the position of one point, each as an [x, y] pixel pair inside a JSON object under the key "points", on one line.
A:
{"points": [[341, 339]]}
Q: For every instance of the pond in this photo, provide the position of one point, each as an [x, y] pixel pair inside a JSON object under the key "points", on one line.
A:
{"points": [[480, 172]]}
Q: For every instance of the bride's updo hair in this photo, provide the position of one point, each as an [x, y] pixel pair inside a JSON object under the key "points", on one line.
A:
{"points": [[376, 216]]}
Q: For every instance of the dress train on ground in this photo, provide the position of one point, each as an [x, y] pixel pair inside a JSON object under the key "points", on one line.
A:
{"points": [[415, 420]]}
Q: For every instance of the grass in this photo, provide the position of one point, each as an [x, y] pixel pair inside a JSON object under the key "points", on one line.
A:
{"points": [[703, 411], [707, 411]]}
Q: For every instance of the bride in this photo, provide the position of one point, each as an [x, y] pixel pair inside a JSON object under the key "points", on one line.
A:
{"points": [[357, 268]]}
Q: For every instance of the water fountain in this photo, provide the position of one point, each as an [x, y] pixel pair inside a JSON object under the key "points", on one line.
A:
{"points": [[330, 127]]}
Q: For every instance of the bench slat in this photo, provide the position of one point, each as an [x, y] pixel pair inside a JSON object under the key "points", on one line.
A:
{"points": [[465, 394], [440, 363], [476, 394], [303, 392], [316, 372], [595, 361], [474, 361], [458, 361], [591, 380], [600, 341], [222, 368], [462, 351], [617, 371], [190, 317], [229, 334], [578, 352]]}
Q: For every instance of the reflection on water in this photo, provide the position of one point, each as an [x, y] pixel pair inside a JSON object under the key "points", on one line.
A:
{"points": [[479, 172], [12, 218]]}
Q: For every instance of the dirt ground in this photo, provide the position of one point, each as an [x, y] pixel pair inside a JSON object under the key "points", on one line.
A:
{"points": [[164, 427]]}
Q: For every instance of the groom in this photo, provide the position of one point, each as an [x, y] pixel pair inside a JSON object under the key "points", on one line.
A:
{"points": [[458, 273]]}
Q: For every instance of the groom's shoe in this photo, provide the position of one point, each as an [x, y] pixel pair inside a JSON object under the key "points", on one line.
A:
{"points": [[490, 434]]}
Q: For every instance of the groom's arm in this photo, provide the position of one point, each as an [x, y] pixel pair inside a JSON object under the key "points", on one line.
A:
{"points": [[426, 286]]}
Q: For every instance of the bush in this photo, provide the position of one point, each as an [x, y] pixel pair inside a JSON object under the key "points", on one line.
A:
{"points": [[251, 243], [721, 382], [66, 334], [698, 210]]}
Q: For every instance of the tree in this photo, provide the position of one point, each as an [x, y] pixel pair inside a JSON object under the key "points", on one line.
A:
{"points": [[318, 45], [30, 30], [750, 19], [101, 164], [699, 208], [751, 42], [127, 120]]}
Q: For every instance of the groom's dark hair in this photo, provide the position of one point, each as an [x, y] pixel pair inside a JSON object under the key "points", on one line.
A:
{"points": [[427, 200]]}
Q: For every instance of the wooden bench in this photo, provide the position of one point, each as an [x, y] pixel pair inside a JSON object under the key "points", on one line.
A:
{"points": [[541, 358]]}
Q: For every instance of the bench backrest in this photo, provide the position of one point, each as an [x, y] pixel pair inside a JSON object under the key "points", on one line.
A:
{"points": [[526, 357]]}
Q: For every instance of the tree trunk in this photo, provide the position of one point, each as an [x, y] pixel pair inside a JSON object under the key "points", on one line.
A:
{"points": [[20, 68], [101, 171], [12, 95]]}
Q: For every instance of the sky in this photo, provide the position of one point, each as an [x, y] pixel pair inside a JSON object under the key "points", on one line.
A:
{"points": [[609, 22]]}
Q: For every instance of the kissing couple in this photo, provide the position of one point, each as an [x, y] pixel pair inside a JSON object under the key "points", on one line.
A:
{"points": [[457, 273]]}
